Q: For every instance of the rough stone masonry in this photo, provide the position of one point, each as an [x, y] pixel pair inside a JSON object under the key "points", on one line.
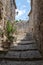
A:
{"points": [[7, 11], [37, 14]]}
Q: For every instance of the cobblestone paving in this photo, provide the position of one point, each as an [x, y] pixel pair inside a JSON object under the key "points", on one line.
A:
{"points": [[22, 53]]}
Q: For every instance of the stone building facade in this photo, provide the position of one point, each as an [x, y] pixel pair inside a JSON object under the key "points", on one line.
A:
{"points": [[22, 27], [37, 14], [30, 21], [7, 11]]}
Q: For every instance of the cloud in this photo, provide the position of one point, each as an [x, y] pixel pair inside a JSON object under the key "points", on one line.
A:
{"points": [[20, 12], [24, 6], [28, 1]]}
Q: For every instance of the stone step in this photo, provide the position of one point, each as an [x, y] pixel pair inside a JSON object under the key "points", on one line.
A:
{"points": [[4, 62], [23, 47], [21, 55], [24, 42], [25, 39]]}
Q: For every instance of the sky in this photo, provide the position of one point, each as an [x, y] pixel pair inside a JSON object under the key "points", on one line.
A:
{"points": [[23, 8]]}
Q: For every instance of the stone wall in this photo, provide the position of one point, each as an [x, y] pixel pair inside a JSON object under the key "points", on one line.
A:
{"points": [[22, 27], [7, 11], [10, 10], [37, 10], [2, 12], [31, 22]]}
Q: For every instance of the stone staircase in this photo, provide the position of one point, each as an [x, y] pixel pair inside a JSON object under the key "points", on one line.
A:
{"points": [[22, 53]]}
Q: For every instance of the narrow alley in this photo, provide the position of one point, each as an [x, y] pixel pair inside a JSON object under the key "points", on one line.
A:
{"points": [[21, 32], [24, 52]]}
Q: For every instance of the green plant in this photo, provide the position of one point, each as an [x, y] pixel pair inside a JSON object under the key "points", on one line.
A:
{"points": [[9, 31], [16, 21]]}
